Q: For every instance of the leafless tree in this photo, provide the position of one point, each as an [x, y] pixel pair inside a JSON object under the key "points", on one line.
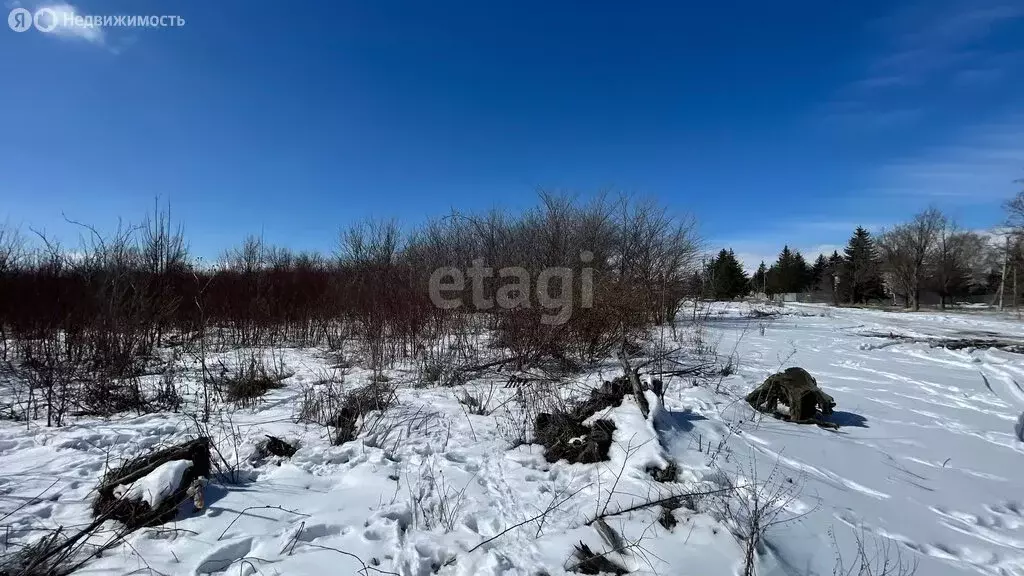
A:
{"points": [[905, 250], [1015, 211], [950, 270], [247, 258], [11, 246], [370, 242], [982, 256], [11, 252]]}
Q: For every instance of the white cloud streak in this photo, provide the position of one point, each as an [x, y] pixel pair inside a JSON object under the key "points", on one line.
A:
{"points": [[983, 166], [927, 46]]}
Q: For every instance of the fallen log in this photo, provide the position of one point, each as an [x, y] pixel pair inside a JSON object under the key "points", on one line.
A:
{"points": [[125, 494]]}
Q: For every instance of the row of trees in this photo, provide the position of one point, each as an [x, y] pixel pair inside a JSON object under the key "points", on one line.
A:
{"points": [[853, 276], [127, 291], [929, 253]]}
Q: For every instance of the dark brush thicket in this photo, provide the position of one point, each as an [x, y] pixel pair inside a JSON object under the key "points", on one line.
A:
{"points": [[95, 314]]}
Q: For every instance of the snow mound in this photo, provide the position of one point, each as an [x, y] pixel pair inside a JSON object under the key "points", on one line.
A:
{"points": [[155, 486]]}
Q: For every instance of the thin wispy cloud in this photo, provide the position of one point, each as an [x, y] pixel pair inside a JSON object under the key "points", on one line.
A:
{"points": [[978, 77], [65, 25], [982, 166], [858, 115], [935, 37], [925, 49]]}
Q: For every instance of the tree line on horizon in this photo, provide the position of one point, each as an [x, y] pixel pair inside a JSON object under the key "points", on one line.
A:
{"points": [[928, 253]]}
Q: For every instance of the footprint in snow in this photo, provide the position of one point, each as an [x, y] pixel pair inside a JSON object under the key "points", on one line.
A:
{"points": [[314, 531], [221, 558], [456, 457]]}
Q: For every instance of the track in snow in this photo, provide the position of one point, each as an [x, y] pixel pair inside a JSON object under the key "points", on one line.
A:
{"points": [[926, 455]]}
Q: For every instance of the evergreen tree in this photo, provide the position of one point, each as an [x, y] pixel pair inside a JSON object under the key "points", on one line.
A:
{"points": [[759, 281], [727, 277], [790, 273], [833, 273], [860, 278], [801, 275], [819, 275]]}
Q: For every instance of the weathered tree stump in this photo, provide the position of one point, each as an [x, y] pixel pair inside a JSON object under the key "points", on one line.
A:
{"points": [[796, 388]]}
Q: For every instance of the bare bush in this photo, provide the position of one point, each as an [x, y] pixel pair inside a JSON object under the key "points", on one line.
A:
{"points": [[79, 323], [168, 396], [872, 556], [753, 505], [57, 553], [346, 413], [436, 502], [225, 440], [323, 398], [479, 400], [251, 378]]}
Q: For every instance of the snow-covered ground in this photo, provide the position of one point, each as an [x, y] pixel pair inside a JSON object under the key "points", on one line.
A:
{"points": [[926, 456]]}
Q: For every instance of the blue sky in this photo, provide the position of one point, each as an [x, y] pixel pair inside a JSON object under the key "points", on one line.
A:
{"points": [[773, 123]]}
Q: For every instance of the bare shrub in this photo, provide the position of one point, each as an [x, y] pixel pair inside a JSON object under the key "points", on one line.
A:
{"points": [[437, 503], [344, 413], [753, 505], [168, 396], [322, 399], [518, 416], [94, 316], [442, 369], [432, 371], [515, 426], [479, 400], [57, 553], [225, 439], [700, 341], [106, 398], [357, 405], [873, 556], [251, 378]]}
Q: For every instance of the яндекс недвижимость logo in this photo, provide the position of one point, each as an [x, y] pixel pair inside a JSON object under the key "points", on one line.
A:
{"points": [[54, 19]]}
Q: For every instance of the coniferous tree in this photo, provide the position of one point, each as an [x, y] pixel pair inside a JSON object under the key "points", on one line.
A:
{"points": [[759, 281], [819, 273], [861, 278], [801, 276], [727, 277], [790, 273], [778, 271]]}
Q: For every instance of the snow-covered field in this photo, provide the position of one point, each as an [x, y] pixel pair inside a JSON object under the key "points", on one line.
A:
{"points": [[926, 458], [926, 454]]}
